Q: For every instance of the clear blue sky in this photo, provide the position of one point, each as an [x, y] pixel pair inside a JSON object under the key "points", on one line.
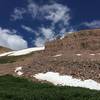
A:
{"points": [[35, 21]]}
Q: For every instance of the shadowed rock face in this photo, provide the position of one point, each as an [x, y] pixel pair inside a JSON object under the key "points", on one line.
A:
{"points": [[79, 56]]}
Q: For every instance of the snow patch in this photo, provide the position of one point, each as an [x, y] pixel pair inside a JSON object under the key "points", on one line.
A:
{"points": [[78, 54], [18, 70], [26, 51], [22, 52], [65, 80], [57, 55], [92, 54], [5, 54], [19, 73]]}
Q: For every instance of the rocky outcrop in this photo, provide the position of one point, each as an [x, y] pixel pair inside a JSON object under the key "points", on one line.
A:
{"points": [[82, 40]]}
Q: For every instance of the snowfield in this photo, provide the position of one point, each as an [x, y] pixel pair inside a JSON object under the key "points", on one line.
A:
{"points": [[5, 54], [65, 80], [22, 52], [26, 51]]}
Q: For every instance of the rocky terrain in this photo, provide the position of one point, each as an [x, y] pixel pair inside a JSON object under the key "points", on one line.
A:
{"points": [[3, 49], [77, 54]]}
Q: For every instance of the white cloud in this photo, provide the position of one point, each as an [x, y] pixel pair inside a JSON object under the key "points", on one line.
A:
{"points": [[48, 33], [71, 30], [93, 24], [10, 40], [18, 13], [33, 9], [63, 30], [39, 42], [54, 12], [27, 28], [57, 14]]}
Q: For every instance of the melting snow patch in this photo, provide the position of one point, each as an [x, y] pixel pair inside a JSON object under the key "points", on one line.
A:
{"points": [[92, 54], [58, 55], [19, 73], [22, 52], [26, 51], [78, 54], [65, 80], [18, 70], [5, 54]]}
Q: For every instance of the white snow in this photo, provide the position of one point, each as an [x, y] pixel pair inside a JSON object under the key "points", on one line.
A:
{"points": [[26, 51], [92, 54], [65, 80], [19, 73], [58, 55], [22, 52], [5, 54], [78, 54], [18, 70]]}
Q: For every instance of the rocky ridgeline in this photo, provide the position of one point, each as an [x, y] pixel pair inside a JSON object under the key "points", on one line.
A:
{"points": [[82, 40]]}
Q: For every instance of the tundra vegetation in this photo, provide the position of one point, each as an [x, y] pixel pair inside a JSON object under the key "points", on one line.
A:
{"points": [[14, 88]]}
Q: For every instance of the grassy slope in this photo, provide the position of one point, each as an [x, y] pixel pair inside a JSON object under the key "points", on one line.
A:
{"points": [[12, 88]]}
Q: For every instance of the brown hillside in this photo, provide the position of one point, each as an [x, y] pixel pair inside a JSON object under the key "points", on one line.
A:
{"points": [[82, 40], [4, 49], [84, 66]]}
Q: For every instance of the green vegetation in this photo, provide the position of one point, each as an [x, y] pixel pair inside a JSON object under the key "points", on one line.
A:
{"points": [[14, 88]]}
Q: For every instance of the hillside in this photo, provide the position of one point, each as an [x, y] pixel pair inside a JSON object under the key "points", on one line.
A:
{"points": [[3, 49], [78, 41], [76, 55]]}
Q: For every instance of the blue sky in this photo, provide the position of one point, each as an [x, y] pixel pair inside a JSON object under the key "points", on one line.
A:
{"points": [[29, 23]]}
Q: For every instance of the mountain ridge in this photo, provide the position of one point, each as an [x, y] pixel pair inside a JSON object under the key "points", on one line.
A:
{"points": [[77, 41]]}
